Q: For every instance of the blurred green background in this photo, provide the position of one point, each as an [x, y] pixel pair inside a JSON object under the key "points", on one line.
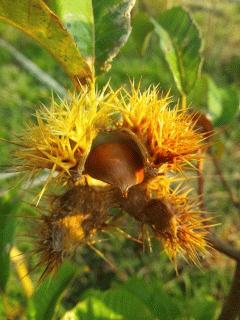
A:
{"points": [[197, 293]]}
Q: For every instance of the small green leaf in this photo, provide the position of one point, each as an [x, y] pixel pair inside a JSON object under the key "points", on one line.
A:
{"points": [[100, 28], [223, 103], [8, 208], [115, 304], [181, 44], [198, 96], [36, 19], [42, 304]]}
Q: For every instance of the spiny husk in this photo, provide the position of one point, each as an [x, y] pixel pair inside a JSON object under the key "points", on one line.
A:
{"points": [[129, 140], [59, 237], [187, 231], [167, 133], [65, 135], [75, 219], [202, 124], [82, 213], [62, 137], [174, 218]]}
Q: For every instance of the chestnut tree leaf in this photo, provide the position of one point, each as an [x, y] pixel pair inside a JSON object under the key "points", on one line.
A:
{"points": [[99, 27], [114, 304], [180, 42], [38, 21], [223, 103]]}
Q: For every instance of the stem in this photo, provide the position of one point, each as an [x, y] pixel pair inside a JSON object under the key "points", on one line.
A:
{"points": [[184, 102], [231, 306], [224, 247], [232, 196]]}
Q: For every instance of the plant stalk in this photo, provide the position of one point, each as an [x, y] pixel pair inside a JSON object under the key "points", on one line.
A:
{"points": [[184, 102], [231, 306]]}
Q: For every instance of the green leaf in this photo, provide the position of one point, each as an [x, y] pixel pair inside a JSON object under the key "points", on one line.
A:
{"points": [[180, 43], [198, 96], [141, 32], [100, 28], [154, 296], [42, 304], [223, 103], [8, 208], [36, 19], [115, 304], [136, 299]]}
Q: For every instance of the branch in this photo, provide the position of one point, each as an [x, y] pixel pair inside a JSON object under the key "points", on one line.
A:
{"points": [[231, 307], [218, 244], [224, 247], [233, 197]]}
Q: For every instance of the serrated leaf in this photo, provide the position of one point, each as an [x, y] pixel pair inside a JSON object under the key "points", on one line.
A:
{"points": [[8, 208], [100, 28], [223, 103], [43, 302], [181, 44], [36, 19], [115, 304]]}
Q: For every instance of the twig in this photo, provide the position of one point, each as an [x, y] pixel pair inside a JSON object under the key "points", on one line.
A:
{"points": [[218, 244], [231, 306], [33, 69], [224, 247], [232, 196]]}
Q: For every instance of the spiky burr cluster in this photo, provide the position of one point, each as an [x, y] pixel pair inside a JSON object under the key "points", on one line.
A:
{"points": [[136, 144]]}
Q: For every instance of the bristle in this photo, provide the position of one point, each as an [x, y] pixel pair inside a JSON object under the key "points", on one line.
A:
{"points": [[75, 218], [168, 133], [174, 217], [62, 136], [188, 228], [136, 142]]}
